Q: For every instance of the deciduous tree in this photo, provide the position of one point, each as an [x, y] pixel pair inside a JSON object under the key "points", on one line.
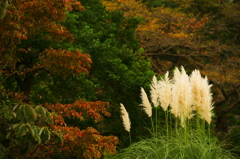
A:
{"points": [[29, 32]]}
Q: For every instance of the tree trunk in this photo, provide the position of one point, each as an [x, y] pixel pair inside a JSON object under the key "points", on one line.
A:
{"points": [[221, 122], [221, 125]]}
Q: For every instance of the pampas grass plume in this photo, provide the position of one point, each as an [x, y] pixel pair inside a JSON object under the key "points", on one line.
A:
{"points": [[125, 118], [207, 103], [186, 95], [174, 104], [155, 92], [202, 96], [181, 103], [145, 103], [165, 87]]}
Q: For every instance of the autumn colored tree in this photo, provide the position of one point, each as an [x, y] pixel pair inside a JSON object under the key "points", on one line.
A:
{"points": [[196, 34], [27, 20], [27, 31], [38, 131], [222, 33], [163, 31], [117, 72]]}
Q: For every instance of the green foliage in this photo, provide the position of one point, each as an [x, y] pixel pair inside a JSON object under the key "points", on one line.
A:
{"points": [[23, 127], [117, 71], [195, 145], [110, 39], [160, 3]]}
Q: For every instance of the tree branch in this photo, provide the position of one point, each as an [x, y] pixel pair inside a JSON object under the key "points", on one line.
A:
{"points": [[229, 108], [226, 95]]}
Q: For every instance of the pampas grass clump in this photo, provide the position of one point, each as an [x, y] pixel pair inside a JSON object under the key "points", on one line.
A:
{"points": [[189, 100], [196, 145]]}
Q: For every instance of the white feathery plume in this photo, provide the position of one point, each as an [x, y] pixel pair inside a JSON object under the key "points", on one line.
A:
{"points": [[181, 103], [154, 92], [202, 96], [165, 87], [195, 79], [174, 104], [207, 103], [145, 103], [125, 118], [197, 92], [186, 95], [176, 75]]}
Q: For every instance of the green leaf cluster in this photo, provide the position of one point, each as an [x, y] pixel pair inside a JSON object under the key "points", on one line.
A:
{"points": [[118, 69], [22, 126]]}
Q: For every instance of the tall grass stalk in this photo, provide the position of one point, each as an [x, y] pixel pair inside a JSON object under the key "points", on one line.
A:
{"points": [[170, 124], [166, 121], [156, 122], [165, 86], [130, 138], [147, 107], [126, 120], [154, 94]]}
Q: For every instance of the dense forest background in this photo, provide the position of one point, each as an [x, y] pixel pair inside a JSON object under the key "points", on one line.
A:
{"points": [[67, 65]]}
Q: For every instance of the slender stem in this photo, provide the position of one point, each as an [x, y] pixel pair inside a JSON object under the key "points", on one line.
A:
{"points": [[197, 121], [176, 124], [156, 122], [130, 137], [185, 127], [170, 125], [203, 124], [209, 133], [154, 134], [166, 119]]}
